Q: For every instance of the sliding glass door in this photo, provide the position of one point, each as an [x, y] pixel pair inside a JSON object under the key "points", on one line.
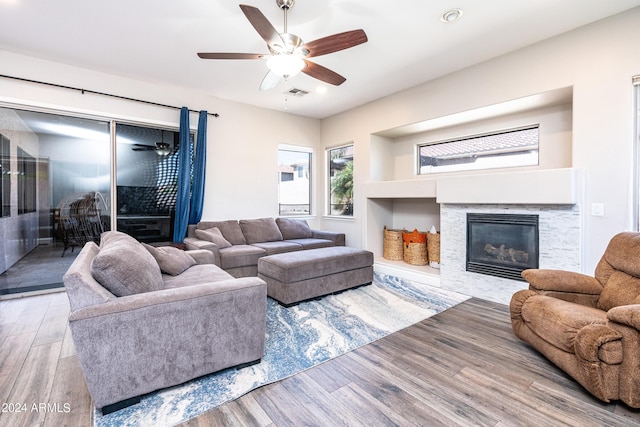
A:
{"points": [[55, 190], [55, 181], [147, 165]]}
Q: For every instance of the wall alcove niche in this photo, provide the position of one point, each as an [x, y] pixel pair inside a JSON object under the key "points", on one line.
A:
{"points": [[398, 197]]}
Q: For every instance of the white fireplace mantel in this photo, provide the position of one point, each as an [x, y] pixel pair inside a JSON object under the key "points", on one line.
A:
{"points": [[535, 187]]}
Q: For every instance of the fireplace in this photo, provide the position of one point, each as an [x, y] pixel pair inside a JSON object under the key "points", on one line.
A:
{"points": [[502, 245]]}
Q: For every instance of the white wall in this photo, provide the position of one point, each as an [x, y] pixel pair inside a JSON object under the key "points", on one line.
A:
{"points": [[242, 144], [598, 61]]}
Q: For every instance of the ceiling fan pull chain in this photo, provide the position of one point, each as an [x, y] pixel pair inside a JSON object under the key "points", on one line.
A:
{"points": [[285, 19]]}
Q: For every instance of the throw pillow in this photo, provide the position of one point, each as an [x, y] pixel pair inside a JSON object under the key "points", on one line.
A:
{"points": [[213, 235], [230, 229], [294, 228], [260, 230], [171, 260], [109, 237], [126, 268]]}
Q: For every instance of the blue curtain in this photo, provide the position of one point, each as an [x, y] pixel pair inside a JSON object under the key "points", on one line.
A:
{"points": [[199, 169], [184, 179]]}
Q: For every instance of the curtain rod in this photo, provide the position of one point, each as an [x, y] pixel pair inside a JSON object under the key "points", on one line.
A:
{"points": [[83, 91]]}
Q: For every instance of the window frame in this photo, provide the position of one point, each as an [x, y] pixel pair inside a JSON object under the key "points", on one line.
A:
{"points": [[295, 175], [329, 193], [456, 161], [5, 177], [27, 182]]}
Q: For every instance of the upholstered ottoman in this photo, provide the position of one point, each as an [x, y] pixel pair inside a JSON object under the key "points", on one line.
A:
{"points": [[297, 276]]}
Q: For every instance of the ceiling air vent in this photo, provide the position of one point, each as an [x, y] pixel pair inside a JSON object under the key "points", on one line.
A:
{"points": [[296, 92]]}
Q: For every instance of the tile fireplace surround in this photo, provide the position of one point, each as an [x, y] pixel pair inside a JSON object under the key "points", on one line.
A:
{"points": [[551, 194], [559, 234]]}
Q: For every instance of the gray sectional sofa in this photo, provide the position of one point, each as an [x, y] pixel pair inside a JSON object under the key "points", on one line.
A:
{"points": [[145, 318], [237, 245]]}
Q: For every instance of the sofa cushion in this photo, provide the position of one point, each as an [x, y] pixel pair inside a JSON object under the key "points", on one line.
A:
{"points": [[620, 289], [213, 235], [196, 275], [294, 228], [312, 243], [171, 260], [557, 321], [278, 247], [260, 230], [230, 229], [125, 268], [240, 256]]}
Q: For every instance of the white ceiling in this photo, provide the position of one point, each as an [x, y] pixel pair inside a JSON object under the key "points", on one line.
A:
{"points": [[408, 44]]}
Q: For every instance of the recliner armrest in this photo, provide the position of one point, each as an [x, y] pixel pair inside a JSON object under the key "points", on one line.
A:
{"points": [[626, 314], [591, 338], [562, 281]]}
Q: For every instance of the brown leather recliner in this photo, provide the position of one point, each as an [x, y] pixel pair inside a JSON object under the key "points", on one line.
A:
{"points": [[588, 326]]}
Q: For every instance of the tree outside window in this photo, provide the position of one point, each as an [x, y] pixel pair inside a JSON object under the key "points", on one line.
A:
{"points": [[341, 181]]}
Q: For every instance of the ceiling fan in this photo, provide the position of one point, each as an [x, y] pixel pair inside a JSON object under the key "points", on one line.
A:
{"points": [[161, 148], [288, 52]]}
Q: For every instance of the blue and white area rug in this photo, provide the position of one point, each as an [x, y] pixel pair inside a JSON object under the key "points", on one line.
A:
{"points": [[298, 338]]}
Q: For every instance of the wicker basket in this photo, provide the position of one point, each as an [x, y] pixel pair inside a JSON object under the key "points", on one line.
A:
{"points": [[433, 248], [415, 247], [393, 249]]}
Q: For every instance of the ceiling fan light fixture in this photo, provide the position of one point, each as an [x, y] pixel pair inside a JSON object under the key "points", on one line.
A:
{"points": [[451, 15], [286, 65], [163, 149]]}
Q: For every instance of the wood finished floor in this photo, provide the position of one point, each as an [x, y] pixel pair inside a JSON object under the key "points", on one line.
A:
{"points": [[463, 367]]}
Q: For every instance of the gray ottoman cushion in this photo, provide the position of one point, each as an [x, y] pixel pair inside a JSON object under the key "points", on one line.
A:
{"points": [[296, 266], [297, 276]]}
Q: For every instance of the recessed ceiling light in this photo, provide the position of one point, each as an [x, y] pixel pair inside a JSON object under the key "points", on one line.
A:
{"points": [[451, 15]]}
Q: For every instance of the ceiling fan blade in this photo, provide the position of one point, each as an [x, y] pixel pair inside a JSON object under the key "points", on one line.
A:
{"points": [[262, 25], [207, 55], [270, 81], [142, 147], [322, 73], [335, 43]]}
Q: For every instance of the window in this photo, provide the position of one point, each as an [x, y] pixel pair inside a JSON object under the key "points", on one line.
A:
{"points": [[508, 148], [340, 162], [5, 178], [294, 182]]}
